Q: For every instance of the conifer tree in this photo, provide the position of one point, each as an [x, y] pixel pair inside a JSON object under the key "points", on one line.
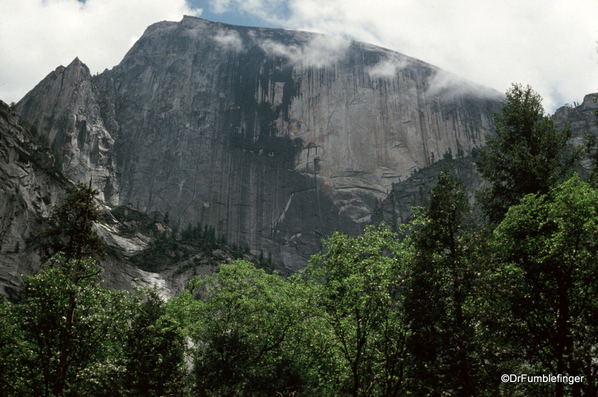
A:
{"points": [[70, 229], [71, 233], [440, 289], [525, 155]]}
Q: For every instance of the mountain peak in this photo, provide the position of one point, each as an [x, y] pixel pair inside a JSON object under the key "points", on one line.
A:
{"points": [[211, 122]]}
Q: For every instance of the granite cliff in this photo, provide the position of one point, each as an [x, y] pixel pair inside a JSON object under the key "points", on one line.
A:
{"points": [[396, 208], [140, 250], [29, 186], [275, 138]]}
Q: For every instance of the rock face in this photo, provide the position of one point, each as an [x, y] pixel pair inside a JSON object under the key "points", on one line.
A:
{"points": [[30, 186], [581, 117], [63, 107], [275, 138], [396, 208]]}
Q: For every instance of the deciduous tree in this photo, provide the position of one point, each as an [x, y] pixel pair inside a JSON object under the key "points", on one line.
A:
{"points": [[246, 330], [547, 248], [154, 349], [360, 286], [93, 328]]}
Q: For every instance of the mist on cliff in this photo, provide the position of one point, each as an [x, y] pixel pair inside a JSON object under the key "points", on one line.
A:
{"points": [[319, 51], [230, 40], [448, 86]]}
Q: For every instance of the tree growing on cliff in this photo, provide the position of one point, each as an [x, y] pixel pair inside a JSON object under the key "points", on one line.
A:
{"points": [[70, 226], [525, 155]]}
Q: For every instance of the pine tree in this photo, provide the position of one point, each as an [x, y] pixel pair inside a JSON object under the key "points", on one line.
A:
{"points": [[70, 229], [525, 155], [440, 289], [71, 233]]}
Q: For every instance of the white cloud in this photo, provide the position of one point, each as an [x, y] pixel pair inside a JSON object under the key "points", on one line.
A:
{"points": [[318, 52], [387, 68], [36, 36], [448, 85], [549, 44], [230, 40]]}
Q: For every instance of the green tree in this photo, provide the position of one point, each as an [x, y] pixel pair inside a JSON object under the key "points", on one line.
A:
{"points": [[154, 349], [94, 329], [359, 284], [70, 226], [13, 352], [244, 330], [71, 232], [525, 155], [547, 247], [591, 151], [441, 291]]}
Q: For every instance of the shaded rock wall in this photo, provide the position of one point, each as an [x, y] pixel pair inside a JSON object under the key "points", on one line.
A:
{"points": [[397, 207], [29, 186], [581, 117]]}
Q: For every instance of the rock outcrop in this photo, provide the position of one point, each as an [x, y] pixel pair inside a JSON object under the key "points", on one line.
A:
{"points": [[397, 207], [275, 138], [580, 117]]}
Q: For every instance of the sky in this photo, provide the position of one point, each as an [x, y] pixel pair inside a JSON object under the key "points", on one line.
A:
{"points": [[547, 44]]}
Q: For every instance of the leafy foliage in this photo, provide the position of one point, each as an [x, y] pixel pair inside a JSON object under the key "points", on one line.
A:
{"points": [[245, 331], [41, 325], [359, 284], [548, 247], [154, 349]]}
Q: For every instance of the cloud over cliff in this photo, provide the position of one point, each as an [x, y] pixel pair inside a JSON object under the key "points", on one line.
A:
{"points": [[447, 86], [230, 40], [387, 68], [549, 44], [319, 52]]}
